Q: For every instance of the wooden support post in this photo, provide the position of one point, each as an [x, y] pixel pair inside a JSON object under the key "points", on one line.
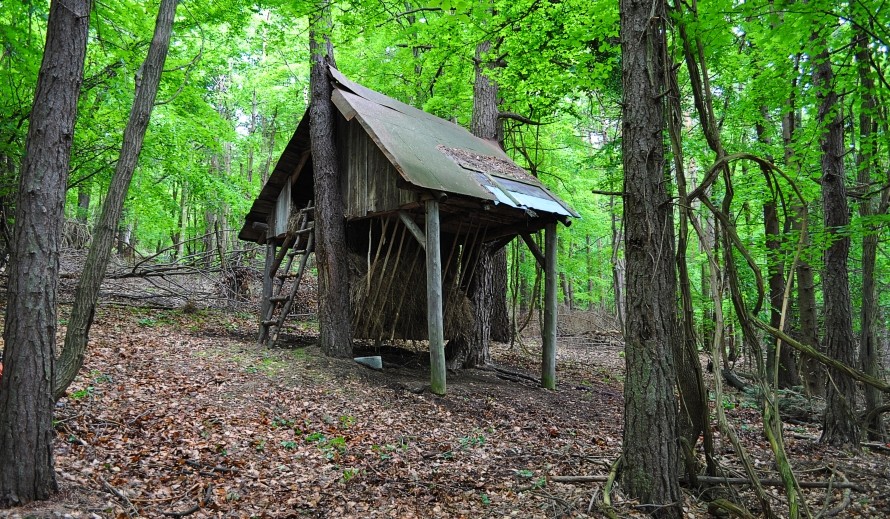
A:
{"points": [[268, 279], [435, 324], [548, 355]]}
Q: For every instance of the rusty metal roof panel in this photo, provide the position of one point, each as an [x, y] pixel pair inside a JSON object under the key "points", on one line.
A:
{"points": [[432, 153], [409, 142]]}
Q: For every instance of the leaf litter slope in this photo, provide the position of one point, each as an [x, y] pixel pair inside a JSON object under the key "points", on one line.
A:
{"points": [[173, 412], [179, 414]]}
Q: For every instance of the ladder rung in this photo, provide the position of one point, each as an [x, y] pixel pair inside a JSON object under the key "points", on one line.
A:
{"points": [[279, 299], [270, 322], [296, 251]]}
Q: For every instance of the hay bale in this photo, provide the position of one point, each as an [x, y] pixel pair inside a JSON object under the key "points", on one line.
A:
{"points": [[392, 304]]}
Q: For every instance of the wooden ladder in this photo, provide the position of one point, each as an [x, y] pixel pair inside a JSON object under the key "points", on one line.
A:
{"points": [[298, 243]]}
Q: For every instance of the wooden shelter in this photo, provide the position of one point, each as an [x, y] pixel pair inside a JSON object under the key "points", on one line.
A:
{"points": [[405, 173]]}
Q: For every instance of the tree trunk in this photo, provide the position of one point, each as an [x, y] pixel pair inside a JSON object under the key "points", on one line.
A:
{"points": [[869, 352], [808, 328], [488, 288], [788, 374], [83, 201], [650, 449], [26, 399], [147, 80], [694, 420], [485, 124], [335, 309], [619, 268], [839, 424], [183, 222]]}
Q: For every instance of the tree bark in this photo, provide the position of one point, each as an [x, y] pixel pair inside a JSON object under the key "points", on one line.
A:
{"points": [[486, 125], [808, 328], [26, 399], [148, 79], [839, 423], [650, 449], [694, 419], [787, 375], [869, 351], [83, 201], [488, 288], [335, 309]]}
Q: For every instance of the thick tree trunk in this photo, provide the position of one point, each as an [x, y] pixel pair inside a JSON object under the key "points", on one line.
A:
{"points": [[488, 288], [486, 125], [839, 424], [26, 399], [650, 448], [147, 81], [335, 309]]}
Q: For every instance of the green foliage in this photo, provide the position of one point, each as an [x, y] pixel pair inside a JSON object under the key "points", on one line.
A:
{"points": [[236, 84]]}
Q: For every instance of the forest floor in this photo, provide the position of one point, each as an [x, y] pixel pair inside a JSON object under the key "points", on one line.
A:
{"points": [[182, 414]]}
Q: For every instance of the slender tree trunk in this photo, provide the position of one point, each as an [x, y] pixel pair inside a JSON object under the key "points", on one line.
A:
{"points": [[183, 222], [83, 201], [811, 371], [788, 374], [147, 80], [26, 399], [869, 352], [650, 450], [335, 309], [619, 269], [839, 425], [694, 419], [524, 286]]}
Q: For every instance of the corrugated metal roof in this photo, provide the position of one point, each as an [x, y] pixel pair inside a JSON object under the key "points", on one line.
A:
{"points": [[429, 153], [432, 153]]}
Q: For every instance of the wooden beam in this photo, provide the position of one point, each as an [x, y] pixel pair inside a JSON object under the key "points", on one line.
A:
{"points": [[265, 303], [500, 243], [415, 230], [435, 324], [548, 355], [533, 247]]}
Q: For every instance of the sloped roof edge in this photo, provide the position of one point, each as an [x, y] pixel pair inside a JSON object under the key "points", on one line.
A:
{"points": [[429, 153]]}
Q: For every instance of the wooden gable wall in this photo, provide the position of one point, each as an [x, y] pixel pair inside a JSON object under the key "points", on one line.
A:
{"points": [[369, 180]]}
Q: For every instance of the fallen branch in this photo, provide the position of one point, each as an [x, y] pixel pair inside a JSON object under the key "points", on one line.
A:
{"points": [[811, 352], [208, 494], [509, 373], [876, 446], [779, 483], [184, 513], [131, 509], [578, 479], [845, 501], [217, 468], [730, 507]]}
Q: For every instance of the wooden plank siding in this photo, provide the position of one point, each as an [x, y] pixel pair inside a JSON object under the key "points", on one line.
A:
{"points": [[371, 182]]}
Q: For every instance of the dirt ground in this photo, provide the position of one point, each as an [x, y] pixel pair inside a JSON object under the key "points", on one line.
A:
{"points": [[179, 415]]}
